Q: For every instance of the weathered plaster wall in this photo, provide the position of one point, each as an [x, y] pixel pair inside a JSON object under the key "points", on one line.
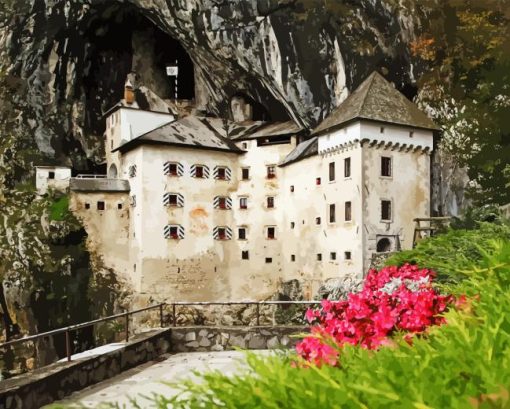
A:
{"points": [[108, 230], [60, 181]]}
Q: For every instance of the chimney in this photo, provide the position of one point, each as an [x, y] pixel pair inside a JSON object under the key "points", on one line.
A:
{"points": [[129, 92]]}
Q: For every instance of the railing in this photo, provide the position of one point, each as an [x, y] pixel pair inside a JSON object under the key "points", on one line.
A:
{"points": [[126, 315], [90, 176]]}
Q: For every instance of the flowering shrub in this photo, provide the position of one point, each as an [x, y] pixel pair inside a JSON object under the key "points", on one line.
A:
{"points": [[392, 299]]}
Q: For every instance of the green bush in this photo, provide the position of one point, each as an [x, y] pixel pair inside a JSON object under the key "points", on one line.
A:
{"points": [[59, 208], [463, 364], [452, 251]]}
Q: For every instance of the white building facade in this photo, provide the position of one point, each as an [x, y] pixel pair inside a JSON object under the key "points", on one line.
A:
{"points": [[200, 209]]}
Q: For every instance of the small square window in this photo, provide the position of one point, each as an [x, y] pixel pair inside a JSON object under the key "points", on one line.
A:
{"points": [[174, 233], [292, 225], [381, 130], [292, 257], [347, 167], [245, 255], [245, 173], [348, 255], [100, 205], [386, 210], [172, 200], [243, 203], [245, 145], [270, 202], [317, 220], [386, 166], [331, 171], [292, 188], [199, 171], [222, 203], [271, 233], [119, 206], [242, 233], [222, 173], [87, 206], [411, 134], [271, 172], [51, 175], [332, 255], [318, 181], [319, 257], [172, 169], [269, 260], [348, 211], [222, 233]]}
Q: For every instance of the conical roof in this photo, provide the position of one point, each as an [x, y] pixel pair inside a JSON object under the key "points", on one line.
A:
{"points": [[376, 99]]}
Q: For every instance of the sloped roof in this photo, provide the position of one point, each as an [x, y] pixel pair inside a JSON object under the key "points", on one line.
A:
{"points": [[146, 100], [265, 130], [376, 99], [190, 131], [302, 151]]}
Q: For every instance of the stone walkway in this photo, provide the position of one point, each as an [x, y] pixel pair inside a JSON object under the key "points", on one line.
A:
{"points": [[147, 379]]}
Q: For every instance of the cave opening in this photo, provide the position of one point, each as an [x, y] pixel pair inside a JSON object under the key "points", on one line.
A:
{"points": [[119, 40], [242, 105]]}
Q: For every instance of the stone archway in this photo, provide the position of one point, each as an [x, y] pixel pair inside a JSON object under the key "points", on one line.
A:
{"points": [[384, 245], [112, 171]]}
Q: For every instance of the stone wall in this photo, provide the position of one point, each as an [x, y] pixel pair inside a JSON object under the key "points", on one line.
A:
{"points": [[191, 339]]}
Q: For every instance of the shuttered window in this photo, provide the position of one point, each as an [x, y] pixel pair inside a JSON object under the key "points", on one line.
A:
{"points": [[222, 173], [173, 199], [222, 202], [174, 232], [222, 233], [199, 171], [173, 169]]}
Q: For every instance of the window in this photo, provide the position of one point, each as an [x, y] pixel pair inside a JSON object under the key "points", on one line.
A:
{"points": [[87, 206], [385, 166], [119, 206], [269, 260], [271, 172], [241, 233], [132, 171], [132, 200], [174, 232], [332, 213], [245, 145], [385, 210], [292, 257], [331, 171], [270, 202], [348, 211], [245, 255], [111, 144], [245, 173], [348, 255], [173, 169], [100, 205], [411, 134], [222, 173], [381, 130], [317, 220], [199, 171], [319, 257], [222, 233], [292, 225], [347, 167], [271, 233], [173, 200], [51, 175], [243, 203], [221, 202], [318, 181], [332, 255], [292, 188]]}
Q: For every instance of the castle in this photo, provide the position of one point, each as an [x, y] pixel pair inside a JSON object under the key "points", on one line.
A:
{"points": [[198, 208]]}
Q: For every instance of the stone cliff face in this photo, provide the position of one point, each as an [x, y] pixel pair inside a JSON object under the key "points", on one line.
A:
{"points": [[292, 58]]}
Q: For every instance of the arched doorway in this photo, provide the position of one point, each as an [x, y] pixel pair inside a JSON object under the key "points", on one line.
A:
{"points": [[112, 171], [384, 245]]}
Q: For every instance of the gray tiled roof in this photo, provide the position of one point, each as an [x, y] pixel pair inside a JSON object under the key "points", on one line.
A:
{"points": [[265, 130], [376, 99], [99, 185], [146, 100], [191, 131], [302, 151]]}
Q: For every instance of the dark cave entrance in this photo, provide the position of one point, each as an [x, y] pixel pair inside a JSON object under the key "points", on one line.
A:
{"points": [[118, 40]]}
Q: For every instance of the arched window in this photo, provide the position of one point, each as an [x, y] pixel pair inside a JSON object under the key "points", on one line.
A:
{"points": [[112, 172], [384, 245]]}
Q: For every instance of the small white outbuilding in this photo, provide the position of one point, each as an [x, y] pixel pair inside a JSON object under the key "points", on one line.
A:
{"points": [[52, 177]]}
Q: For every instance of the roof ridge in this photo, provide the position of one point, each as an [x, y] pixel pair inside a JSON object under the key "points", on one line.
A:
{"points": [[370, 82]]}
